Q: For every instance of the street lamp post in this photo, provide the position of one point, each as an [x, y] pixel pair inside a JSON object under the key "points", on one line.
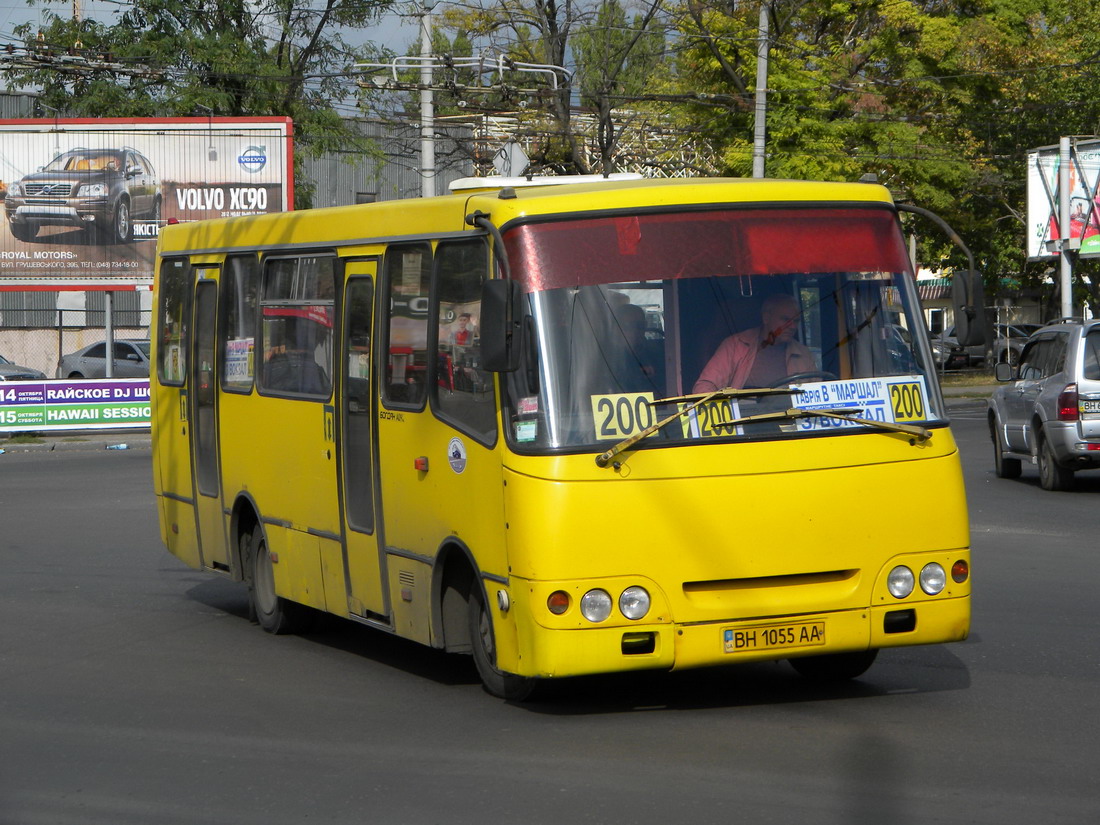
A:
{"points": [[427, 113]]}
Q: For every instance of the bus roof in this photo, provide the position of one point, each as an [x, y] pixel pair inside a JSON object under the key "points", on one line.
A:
{"points": [[385, 221]]}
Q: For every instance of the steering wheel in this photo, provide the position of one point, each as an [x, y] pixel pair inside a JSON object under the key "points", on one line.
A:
{"points": [[795, 378]]}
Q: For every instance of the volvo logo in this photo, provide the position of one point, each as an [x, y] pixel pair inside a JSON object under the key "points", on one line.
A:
{"points": [[253, 159]]}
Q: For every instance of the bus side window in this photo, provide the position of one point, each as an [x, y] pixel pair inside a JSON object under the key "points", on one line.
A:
{"points": [[175, 309], [240, 299], [463, 392], [407, 273], [297, 308]]}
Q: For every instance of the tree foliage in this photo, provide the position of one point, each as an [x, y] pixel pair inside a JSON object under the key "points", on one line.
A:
{"points": [[939, 98], [218, 57], [608, 56]]}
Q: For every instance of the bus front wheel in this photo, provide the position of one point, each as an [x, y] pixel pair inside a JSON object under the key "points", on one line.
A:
{"points": [[274, 613], [834, 667], [483, 643]]}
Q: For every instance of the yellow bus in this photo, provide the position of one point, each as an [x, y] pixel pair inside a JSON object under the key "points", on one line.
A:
{"points": [[571, 429]]}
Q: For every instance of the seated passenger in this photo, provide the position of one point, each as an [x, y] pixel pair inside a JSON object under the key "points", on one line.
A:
{"points": [[762, 356]]}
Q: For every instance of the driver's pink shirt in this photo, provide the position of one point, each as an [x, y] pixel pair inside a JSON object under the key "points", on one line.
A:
{"points": [[732, 361]]}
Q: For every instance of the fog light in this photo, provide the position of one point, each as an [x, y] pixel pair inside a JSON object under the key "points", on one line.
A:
{"points": [[932, 578], [960, 571], [900, 582], [634, 602], [557, 602], [596, 605]]}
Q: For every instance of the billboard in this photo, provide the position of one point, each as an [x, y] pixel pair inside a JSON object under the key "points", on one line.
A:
{"points": [[47, 406], [83, 200], [1043, 199]]}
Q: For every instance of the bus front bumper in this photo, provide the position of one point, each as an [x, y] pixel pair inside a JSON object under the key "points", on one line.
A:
{"points": [[551, 653]]}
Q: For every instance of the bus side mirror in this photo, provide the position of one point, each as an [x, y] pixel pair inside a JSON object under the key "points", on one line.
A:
{"points": [[968, 297], [501, 313]]}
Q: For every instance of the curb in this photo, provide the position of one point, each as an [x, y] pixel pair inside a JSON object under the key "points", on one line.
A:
{"points": [[92, 445]]}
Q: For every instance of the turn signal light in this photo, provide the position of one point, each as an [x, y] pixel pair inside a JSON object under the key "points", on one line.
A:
{"points": [[557, 602], [960, 571]]}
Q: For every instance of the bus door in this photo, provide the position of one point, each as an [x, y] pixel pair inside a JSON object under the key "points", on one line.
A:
{"points": [[172, 408], [364, 563], [203, 379]]}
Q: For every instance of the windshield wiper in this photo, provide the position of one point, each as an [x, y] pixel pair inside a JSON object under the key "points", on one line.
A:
{"points": [[920, 434], [603, 459]]}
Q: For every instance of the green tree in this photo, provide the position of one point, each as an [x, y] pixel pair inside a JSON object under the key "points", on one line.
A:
{"points": [[224, 57], [939, 98], [608, 54]]}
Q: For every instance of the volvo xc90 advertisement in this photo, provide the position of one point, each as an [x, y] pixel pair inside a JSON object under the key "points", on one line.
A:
{"points": [[84, 200]]}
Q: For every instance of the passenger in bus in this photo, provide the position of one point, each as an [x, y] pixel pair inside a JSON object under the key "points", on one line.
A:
{"points": [[762, 356], [463, 333]]}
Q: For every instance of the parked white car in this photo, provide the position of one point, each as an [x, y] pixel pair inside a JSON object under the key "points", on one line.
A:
{"points": [[131, 361]]}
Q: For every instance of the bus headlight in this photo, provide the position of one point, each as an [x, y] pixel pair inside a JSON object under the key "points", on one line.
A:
{"points": [[596, 605], [634, 602], [900, 582], [932, 578]]}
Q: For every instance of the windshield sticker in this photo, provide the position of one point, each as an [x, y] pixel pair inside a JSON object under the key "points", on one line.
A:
{"points": [[897, 399], [712, 419], [618, 416], [528, 405], [527, 431]]}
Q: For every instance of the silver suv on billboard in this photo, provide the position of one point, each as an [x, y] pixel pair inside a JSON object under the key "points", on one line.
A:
{"points": [[1047, 411], [102, 191]]}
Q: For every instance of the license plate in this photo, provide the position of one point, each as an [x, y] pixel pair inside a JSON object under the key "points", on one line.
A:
{"points": [[773, 636], [1090, 406]]}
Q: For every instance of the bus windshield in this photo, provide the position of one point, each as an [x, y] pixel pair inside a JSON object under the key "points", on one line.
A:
{"points": [[629, 315]]}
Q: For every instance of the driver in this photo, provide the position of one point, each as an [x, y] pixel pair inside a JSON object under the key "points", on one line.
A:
{"points": [[762, 356]]}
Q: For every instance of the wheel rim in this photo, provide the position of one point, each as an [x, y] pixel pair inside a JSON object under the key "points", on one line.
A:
{"points": [[122, 221]]}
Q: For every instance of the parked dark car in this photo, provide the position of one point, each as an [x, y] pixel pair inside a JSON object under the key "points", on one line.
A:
{"points": [[950, 355], [131, 361], [14, 372], [99, 190], [1049, 415]]}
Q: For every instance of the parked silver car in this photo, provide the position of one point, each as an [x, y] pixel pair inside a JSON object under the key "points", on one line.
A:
{"points": [[1009, 340], [14, 372], [131, 361], [1049, 414]]}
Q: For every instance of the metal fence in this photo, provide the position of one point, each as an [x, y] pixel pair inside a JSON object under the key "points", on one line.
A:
{"points": [[34, 332]]}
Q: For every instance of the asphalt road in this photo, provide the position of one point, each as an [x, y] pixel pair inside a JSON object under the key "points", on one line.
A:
{"points": [[134, 690]]}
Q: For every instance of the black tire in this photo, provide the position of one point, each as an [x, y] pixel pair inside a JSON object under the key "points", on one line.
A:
{"points": [[75, 376], [273, 613], [23, 231], [482, 642], [1052, 476], [1003, 467], [834, 667]]}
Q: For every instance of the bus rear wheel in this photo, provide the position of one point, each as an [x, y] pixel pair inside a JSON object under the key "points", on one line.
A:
{"points": [[834, 667], [483, 643], [274, 613]]}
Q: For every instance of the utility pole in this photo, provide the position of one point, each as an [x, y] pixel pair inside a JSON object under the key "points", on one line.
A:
{"points": [[1064, 227], [427, 104], [760, 128]]}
